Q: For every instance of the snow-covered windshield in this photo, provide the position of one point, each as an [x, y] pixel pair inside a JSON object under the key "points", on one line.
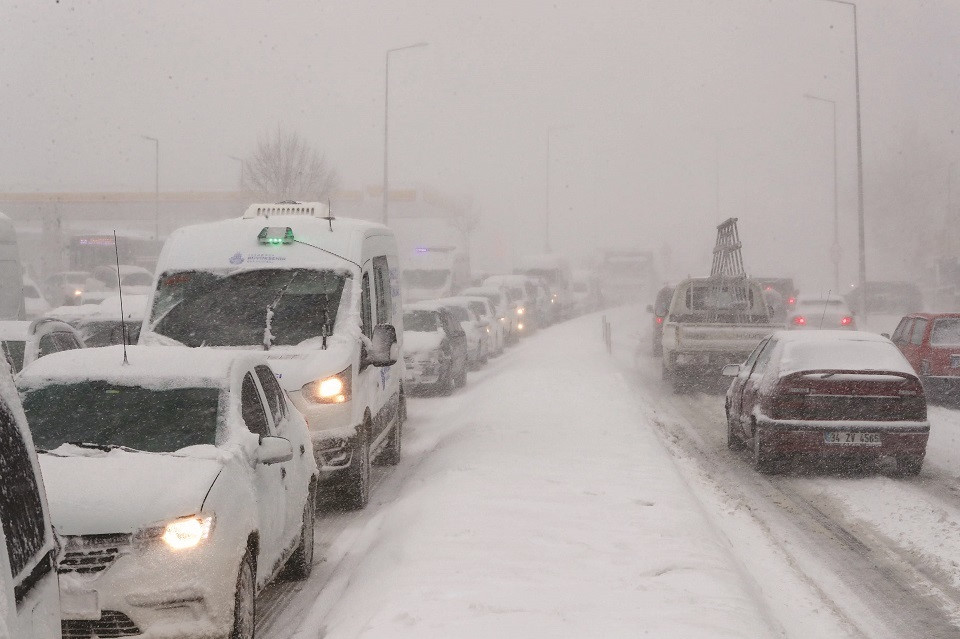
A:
{"points": [[946, 332], [420, 321], [13, 350], [137, 279], [97, 412], [107, 332], [229, 308], [425, 278], [461, 314]]}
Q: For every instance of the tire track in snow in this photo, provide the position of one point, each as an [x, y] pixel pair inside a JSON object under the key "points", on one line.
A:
{"points": [[906, 598]]}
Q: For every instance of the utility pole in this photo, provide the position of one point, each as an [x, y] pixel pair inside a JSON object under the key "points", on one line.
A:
{"points": [[386, 126]]}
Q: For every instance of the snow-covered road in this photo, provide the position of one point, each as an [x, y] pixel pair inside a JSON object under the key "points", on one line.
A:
{"points": [[565, 492]]}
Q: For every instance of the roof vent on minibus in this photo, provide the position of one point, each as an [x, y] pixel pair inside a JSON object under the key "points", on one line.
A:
{"points": [[310, 209]]}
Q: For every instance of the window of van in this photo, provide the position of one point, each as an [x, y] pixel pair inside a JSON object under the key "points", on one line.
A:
{"points": [[21, 508], [381, 283], [229, 308]]}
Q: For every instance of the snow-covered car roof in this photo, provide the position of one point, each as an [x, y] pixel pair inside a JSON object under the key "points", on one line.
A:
{"points": [[14, 330], [134, 307], [481, 290], [462, 300], [426, 305], [235, 243], [839, 350], [148, 366]]}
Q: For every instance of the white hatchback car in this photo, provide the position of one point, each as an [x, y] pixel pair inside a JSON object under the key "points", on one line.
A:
{"points": [[23, 342], [181, 483]]}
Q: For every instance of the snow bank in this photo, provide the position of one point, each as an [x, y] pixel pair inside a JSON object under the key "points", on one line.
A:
{"points": [[541, 505]]}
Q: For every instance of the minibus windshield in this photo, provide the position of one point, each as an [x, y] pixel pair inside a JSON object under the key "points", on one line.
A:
{"points": [[209, 308]]}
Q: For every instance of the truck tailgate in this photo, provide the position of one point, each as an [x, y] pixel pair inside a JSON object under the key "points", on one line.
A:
{"points": [[722, 338]]}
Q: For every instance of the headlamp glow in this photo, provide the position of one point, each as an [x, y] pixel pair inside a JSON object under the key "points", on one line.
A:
{"points": [[187, 532], [329, 390]]}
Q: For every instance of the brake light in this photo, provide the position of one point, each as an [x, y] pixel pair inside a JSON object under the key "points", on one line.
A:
{"points": [[791, 301], [659, 320], [846, 321], [800, 320]]}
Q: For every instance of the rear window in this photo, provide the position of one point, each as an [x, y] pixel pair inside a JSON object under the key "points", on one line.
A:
{"points": [[946, 332], [842, 354]]}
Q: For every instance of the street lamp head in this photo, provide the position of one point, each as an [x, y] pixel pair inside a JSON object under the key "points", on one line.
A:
{"points": [[409, 46]]}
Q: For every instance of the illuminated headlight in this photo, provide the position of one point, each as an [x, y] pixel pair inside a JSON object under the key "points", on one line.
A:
{"points": [[187, 532], [503, 319], [488, 329], [553, 299], [329, 390], [521, 310], [520, 326], [77, 293]]}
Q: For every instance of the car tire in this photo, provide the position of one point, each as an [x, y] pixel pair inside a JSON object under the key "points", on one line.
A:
{"points": [[909, 465], [733, 440], [447, 383], [300, 563], [462, 378], [391, 450], [762, 461], [245, 600], [358, 491]]}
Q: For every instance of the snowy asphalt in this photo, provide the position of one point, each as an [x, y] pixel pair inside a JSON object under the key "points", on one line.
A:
{"points": [[468, 536]]}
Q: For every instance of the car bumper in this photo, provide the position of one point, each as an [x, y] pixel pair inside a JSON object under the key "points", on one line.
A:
{"points": [[420, 372], [796, 436], [160, 592]]}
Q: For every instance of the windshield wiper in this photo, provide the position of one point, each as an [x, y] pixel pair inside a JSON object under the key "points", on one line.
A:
{"points": [[104, 447], [268, 325]]}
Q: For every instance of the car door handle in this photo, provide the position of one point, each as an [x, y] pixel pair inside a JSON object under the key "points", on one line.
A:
{"points": [[303, 450], [283, 473]]}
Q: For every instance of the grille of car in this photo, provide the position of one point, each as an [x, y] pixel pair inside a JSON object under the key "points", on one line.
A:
{"points": [[111, 624], [87, 554]]}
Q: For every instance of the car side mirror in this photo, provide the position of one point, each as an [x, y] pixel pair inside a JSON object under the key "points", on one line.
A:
{"points": [[649, 308], [887, 335], [274, 450], [731, 370], [383, 349]]}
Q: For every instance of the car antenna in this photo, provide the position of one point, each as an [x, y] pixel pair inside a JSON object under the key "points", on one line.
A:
{"points": [[824, 314], [329, 218], [123, 324]]}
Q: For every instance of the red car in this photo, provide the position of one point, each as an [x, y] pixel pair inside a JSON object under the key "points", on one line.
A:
{"points": [[931, 343], [830, 394]]}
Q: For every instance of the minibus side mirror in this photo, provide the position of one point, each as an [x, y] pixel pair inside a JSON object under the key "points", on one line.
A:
{"points": [[383, 349]]}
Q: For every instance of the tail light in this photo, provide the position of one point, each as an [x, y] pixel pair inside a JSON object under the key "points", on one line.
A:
{"points": [[846, 321], [791, 301], [787, 401], [659, 320], [800, 320]]}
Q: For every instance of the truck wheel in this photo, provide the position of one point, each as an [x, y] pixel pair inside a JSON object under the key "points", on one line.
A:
{"points": [[762, 461], [358, 490]]}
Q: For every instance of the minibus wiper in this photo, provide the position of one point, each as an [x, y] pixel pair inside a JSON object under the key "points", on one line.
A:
{"points": [[267, 334]]}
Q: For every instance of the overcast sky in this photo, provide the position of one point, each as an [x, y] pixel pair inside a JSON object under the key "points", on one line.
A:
{"points": [[649, 99]]}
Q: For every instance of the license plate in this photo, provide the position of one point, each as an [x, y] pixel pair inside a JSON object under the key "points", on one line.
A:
{"points": [[853, 439], [955, 361], [79, 604]]}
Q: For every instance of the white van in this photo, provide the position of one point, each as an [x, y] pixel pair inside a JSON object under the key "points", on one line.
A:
{"points": [[322, 294], [29, 589]]}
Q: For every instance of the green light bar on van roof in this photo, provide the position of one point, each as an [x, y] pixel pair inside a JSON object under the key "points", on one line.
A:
{"points": [[276, 235]]}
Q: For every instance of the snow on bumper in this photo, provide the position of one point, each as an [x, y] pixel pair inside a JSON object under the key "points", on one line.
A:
{"points": [[419, 370], [164, 593], [844, 438]]}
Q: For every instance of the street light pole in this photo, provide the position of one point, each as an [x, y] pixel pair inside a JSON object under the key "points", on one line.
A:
{"points": [[835, 249], [386, 125], [156, 187], [860, 217]]}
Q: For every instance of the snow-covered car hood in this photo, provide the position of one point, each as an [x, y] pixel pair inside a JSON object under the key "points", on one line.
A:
{"points": [[421, 341], [94, 492]]}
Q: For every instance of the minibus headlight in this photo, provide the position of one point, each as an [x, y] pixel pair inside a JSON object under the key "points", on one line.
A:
{"points": [[329, 390]]}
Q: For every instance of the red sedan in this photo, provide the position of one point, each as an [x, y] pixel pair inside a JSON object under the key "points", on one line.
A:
{"points": [[931, 343], [836, 394]]}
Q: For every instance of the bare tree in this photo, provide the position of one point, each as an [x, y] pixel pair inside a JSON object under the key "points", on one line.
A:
{"points": [[285, 167]]}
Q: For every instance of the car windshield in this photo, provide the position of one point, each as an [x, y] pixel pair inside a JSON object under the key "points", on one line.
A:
{"points": [[203, 308], [946, 332], [98, 412], [137, 279], [461, 314], [425, 278], [108, 332], [420, 321]]}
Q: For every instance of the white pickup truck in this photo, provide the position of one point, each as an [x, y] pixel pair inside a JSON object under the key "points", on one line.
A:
{"points": [[713, 321]]}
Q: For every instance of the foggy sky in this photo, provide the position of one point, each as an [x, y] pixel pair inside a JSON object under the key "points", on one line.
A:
{"points": [[649, 95]]}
